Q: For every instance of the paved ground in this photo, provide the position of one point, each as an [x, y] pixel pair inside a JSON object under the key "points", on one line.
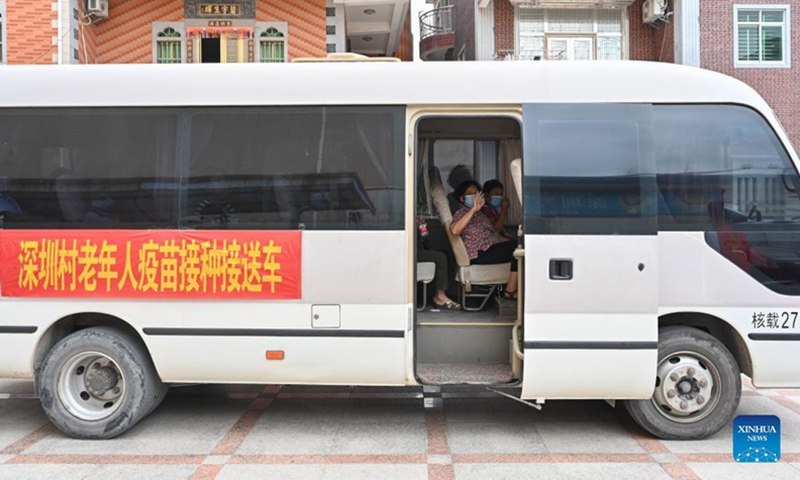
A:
{"points": [[243, 432]]}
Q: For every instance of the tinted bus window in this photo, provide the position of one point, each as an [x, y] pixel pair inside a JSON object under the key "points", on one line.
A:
{"points": [[589, 170], [722, 170], [88, 168], [287, 168]]}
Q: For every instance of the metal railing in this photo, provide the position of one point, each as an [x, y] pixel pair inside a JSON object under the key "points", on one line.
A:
{"points": [[438, 21], [514, 55]]}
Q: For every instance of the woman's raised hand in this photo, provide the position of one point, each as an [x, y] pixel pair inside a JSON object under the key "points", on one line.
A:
{"points": [[480, 201]]}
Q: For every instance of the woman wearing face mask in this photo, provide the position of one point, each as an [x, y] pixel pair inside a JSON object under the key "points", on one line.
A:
{"points": [[485, 246], [496, 204]]}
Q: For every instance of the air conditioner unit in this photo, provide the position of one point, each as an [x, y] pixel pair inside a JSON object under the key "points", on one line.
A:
{"points": [[653, 10], [97, 8]]}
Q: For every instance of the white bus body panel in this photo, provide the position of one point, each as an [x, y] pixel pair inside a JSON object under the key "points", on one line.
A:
{"points": [[609, 300], [364, 272], [695, 278]]}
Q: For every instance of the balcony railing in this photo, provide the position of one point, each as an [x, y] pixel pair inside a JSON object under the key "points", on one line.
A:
{"points": [[514, 55], [438, 21]]}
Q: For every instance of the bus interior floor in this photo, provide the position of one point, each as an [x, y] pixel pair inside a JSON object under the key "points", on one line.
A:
{"points": [[465, 373], [434, 315]]}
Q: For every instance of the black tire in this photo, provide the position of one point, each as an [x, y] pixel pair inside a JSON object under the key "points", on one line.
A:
{"points": [[162, 394], [671, 341], [142, 392]]}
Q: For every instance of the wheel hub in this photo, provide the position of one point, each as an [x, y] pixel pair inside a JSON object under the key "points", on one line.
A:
{"points": [[101, 380], [91, 386], [686, 388]]}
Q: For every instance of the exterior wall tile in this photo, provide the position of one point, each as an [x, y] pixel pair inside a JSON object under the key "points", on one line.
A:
{"points": [[405, 47], [503, 26], [306, 19], [126, 36], [642, 37], [30, 32]]}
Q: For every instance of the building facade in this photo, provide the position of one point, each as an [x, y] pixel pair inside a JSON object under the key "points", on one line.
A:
{"points": [[756, 41], [28, 32], [199, 31]]}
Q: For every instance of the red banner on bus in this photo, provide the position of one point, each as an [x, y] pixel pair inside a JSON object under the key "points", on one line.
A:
{"points": [[151, 264]]}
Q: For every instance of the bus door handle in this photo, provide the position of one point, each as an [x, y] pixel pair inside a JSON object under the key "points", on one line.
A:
{"points": [[561, 269]]}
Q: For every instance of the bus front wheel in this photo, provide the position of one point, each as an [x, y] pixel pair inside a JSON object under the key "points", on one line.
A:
{"points": [[698, 387], [97, 383]]}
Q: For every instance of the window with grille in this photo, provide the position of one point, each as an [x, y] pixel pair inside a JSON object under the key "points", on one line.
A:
{"points": [[168, 45], [568, 34], [273, 46], [762, 36], [570, 21]]}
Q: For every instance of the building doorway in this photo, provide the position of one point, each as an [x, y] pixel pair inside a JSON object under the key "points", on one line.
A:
{"points": [[220, 45], [210, 50]]}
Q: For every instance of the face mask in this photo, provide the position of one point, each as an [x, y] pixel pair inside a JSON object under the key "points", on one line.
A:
{"points": [[469, 200], [496, 201]]}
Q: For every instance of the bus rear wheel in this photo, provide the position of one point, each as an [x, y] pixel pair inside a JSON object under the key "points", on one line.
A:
{"points": [[698, 387], [97, 383]]}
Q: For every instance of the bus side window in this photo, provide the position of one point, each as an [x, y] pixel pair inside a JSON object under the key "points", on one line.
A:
{"points": [[89, 167], [325, 168], [722, 170]]}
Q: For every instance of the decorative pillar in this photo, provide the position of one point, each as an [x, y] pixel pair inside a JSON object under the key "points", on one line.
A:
{"points": [[687, 32]]}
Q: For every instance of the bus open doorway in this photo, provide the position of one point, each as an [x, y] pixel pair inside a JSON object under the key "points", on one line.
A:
{"points": [[468, 339]]}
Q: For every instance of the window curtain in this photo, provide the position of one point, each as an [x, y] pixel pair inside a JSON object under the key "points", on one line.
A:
{"points": [[510, 150], [485, 161]]}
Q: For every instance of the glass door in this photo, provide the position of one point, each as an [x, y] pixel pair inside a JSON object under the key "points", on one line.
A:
{"points": [[570, 48]]}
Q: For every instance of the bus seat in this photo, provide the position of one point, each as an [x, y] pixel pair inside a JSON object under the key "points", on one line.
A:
{"points": [[468, 275], [516, 175], [71, 198], [426, 271]]}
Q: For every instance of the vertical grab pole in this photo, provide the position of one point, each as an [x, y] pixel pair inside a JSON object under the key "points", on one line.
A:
{"points": [[519, 254]]}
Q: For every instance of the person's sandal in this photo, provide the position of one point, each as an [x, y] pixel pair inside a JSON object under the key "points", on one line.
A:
{"points": [[449, 305], [509, 295]]}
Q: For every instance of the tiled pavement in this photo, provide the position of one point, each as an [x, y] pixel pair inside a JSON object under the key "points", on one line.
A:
{"points": [[331, 433]]}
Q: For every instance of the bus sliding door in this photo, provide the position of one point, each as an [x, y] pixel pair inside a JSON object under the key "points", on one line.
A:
{"points": [[591, 272]]}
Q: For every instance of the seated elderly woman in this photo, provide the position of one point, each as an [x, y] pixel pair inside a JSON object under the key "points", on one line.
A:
{"points": [[485, 246]]}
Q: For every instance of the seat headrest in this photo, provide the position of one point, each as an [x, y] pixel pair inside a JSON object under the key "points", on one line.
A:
{"points": [[441, 204]]}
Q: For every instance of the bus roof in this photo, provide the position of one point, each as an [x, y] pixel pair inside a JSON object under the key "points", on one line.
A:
{"points": [[368, 83]]}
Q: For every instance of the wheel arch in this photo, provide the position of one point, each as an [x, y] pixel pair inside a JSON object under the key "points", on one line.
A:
{"points": [[719, 329], [78, 321]]}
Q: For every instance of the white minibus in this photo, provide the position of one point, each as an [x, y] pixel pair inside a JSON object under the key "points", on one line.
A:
{"points": [[621, 231]]}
